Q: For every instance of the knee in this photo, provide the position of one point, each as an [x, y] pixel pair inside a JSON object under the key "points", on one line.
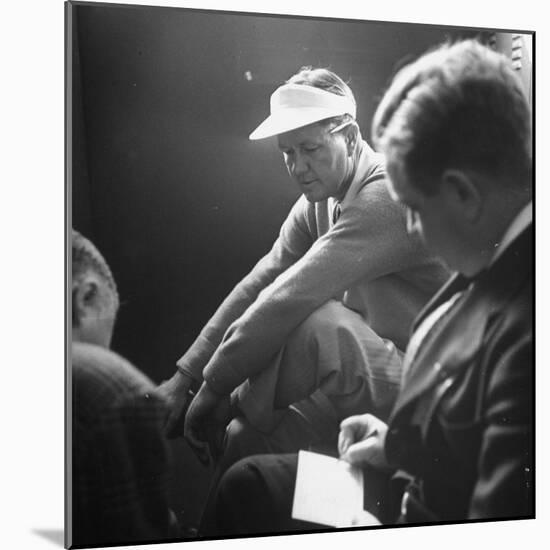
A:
{"points": [[238, 480], [241, 440], [237, 495]]}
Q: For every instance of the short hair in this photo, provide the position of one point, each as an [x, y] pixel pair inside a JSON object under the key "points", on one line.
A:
{"points": [[326, 80], [460, 106], [87, 259]]}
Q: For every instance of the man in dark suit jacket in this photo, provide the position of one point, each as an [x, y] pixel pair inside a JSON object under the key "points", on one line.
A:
{"points": [[456, 130]]}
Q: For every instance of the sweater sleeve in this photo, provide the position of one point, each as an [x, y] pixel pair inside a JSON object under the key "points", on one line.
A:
{"points": [[368, 241], [293, 241]]}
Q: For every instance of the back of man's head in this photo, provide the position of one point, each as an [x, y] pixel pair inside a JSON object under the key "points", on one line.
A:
{"points": [[94, 293], [462, 107]]}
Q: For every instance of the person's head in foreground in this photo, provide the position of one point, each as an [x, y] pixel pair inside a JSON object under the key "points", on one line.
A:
{"points": [[313, 116], [455, 127], [94, 294]]}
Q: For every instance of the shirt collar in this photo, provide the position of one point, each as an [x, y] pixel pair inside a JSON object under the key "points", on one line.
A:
{"points": [[521, 221], [363, 165]]}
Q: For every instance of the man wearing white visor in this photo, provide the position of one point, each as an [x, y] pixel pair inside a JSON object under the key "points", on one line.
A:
{"points": [[316, 329]]}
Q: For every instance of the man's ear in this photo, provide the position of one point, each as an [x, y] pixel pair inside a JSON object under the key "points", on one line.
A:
{"points": [[352, 134], [462, 193], [85, 298]]}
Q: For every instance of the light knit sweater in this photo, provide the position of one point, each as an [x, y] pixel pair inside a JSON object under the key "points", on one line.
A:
{"points": [[366, 259]]}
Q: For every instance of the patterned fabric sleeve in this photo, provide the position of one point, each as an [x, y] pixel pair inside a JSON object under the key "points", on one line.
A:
{"points": [[122, 474]]}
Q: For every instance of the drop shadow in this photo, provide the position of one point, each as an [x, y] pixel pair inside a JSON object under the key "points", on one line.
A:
{"points": [[57, 536]]}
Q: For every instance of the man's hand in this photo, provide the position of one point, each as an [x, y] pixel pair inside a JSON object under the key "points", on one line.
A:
{"points": [[177, 394], [361, 441], [205, 423]]}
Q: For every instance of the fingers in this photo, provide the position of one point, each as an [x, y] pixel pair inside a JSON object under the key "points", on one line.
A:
{"points": [[359, 453], [216, 442], [345, 439], [358, 422], [174, 425], [368, 451], [216, 427], [200, 448], [205, 423], [175, 422], [202, 452], [194, 437], [353, 429]]}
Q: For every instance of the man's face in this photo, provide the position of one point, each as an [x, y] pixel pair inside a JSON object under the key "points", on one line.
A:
{"points": [[316, 160], [432, 217]]}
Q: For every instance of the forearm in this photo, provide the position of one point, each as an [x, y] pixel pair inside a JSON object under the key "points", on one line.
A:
{"points": [[232, 308], [361, 247], [204, 346], [293, 242]]}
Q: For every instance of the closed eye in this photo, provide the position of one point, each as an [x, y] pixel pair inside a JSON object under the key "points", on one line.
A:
{"points": [[312, 147]]}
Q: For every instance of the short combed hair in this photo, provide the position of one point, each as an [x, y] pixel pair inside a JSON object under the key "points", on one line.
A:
{"points": [[87, 259], [326, 80], [460, 106]]}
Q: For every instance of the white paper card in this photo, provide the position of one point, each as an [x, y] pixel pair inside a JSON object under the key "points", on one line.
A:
{"points": [[328, 491]]}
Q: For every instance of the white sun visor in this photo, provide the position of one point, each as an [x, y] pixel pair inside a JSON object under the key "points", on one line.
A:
{"points": [[297, 105]]}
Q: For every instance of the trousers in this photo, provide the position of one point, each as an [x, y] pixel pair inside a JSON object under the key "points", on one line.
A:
{"points": [[255, 497], [332, 366]]}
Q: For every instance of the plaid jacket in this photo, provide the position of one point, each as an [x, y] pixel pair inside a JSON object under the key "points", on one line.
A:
{"points": [[120, 460]]}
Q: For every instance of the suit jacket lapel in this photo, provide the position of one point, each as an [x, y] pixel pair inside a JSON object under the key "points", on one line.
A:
{"points": [[458, 336], [455, 284], [441, 351]]}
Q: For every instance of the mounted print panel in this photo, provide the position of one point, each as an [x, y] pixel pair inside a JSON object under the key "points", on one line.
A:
{"points": [[259, 218]]}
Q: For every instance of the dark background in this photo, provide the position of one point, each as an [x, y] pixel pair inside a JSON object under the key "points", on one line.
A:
{"points": [[163, 177]]}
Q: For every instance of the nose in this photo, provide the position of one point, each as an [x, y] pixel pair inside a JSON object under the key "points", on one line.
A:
{"points": [[299, 166]]}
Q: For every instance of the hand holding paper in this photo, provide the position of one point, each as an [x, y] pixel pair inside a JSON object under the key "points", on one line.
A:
{"points": [[361, 441]]}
